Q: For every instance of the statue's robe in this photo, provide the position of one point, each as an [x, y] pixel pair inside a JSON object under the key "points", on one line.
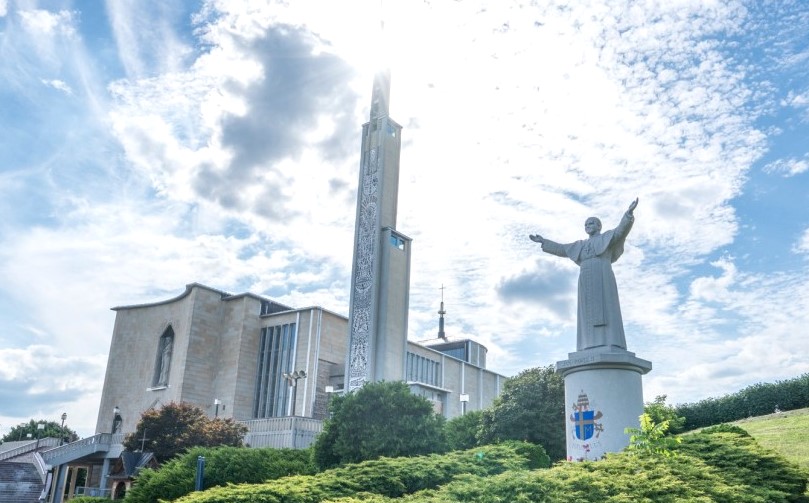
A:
{"points": [[599, 321]]}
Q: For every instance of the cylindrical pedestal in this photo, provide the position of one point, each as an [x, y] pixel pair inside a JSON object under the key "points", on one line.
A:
{"points": [[603, 396]]}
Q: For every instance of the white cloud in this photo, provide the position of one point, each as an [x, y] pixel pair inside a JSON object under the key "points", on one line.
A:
{"points": [[69, 385], [3, 8], [788, 167], [44, 23], [59, 85], [238, 163], [802, 246]]}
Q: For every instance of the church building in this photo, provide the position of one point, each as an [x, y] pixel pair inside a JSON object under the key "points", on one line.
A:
{"points": [[275, 367]]}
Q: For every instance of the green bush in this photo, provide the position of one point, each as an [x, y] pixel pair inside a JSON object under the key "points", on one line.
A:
{"points": [[379, 419], [704, 471], [223, 465], [531, 408], [726, 428], [389, 477], [737, 457], [461, 432], [89, 499], [756, 400]]}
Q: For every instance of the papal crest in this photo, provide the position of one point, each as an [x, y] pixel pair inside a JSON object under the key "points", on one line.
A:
{"points": [[584, 420]]}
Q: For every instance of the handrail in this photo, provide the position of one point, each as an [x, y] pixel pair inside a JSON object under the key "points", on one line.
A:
{"points": [[29, 447], [102, 441], [40, 466]]}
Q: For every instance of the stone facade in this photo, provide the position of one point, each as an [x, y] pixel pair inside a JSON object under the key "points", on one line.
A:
{"points": [[236, 348]]}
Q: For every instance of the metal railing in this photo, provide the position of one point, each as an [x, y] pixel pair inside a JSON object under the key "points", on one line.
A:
{"points": [[289, 432], [93, 491], [40, 465], [29, 447], [79, 448]]}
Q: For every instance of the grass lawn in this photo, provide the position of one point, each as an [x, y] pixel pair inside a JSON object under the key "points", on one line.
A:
{"points": [[784, 432]]}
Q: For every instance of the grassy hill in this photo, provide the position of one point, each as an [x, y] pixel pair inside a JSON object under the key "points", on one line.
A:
{"points": [[783, 432]]}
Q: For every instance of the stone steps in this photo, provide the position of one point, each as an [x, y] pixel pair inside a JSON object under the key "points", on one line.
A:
{"points": [[19, 483]]}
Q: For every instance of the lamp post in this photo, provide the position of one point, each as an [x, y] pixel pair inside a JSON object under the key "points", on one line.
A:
{"points": [[217, 403], [64, 416], [292, 379]]}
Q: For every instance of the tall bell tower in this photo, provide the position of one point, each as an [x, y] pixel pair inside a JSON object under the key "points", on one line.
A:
{"points": [[380, 277]]}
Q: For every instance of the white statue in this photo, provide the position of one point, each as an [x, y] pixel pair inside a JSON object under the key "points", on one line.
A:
{"points": [[599, 320], [165, 361]]}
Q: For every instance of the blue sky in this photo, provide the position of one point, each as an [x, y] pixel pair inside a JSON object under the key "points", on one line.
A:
{"points": [[145, 145]]}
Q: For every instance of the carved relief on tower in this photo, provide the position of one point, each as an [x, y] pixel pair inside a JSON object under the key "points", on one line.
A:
{"points": [[367, 239]]}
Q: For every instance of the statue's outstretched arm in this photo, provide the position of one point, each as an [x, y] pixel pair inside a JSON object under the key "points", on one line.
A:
{"points": [[536, 238]]}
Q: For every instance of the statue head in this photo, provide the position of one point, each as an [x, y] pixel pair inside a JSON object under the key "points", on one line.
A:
{"points": [[592, 226]]}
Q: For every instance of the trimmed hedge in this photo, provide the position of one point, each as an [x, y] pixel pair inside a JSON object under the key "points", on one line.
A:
{"points": [[709, 468], [223, 465], [389, 477], [756, 400]]}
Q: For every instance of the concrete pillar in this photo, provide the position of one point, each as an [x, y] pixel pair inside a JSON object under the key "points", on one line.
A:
{"points": [[74, 471], [59, 485], [105, 470], [603, 396]]}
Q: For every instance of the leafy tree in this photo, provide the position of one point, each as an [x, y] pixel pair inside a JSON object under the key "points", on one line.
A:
{"points": [[379, 419], [531, 408], [177, 427], [659, 412], [462, 431], [52, 429], [651, 438]]}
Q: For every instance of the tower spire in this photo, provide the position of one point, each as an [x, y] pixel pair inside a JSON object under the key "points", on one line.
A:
{"points": [[441, 314], [380, 96]]}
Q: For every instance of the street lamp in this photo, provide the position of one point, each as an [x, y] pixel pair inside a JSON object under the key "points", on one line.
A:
{"points": [[64, 416], [217, 403], [292, 379]]}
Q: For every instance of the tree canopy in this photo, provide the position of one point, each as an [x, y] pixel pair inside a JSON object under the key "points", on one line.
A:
{"points": [[659, 413], [531, 408], [50, 429], [379, 419], [176, 427], [462, 431]]}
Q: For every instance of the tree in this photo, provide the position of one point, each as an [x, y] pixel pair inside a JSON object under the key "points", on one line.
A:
{"points": [[659, 412], [51, 429], [176, 427], [651, 438], [531, 408], [462, 431], [379, 419]]}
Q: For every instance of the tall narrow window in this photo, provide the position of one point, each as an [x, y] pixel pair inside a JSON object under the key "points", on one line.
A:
{"points": [[275, 356], [165, 348]]}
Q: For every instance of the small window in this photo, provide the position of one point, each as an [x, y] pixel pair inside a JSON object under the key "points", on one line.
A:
{"points": [[397, 242]]}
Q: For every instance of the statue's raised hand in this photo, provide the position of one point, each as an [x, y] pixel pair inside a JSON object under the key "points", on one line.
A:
{"points": [[536, 238], [632, 206]]}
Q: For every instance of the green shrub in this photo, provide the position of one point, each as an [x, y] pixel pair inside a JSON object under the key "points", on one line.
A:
{"points": [[726, 428], [223, 465], [379, 419], [694, 476], [737, 457], [461, 432], [756, 400], [389, 477], [89, 499]]}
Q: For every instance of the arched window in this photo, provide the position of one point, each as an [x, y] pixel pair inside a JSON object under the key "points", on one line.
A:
{"points": [[163, 363]]}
